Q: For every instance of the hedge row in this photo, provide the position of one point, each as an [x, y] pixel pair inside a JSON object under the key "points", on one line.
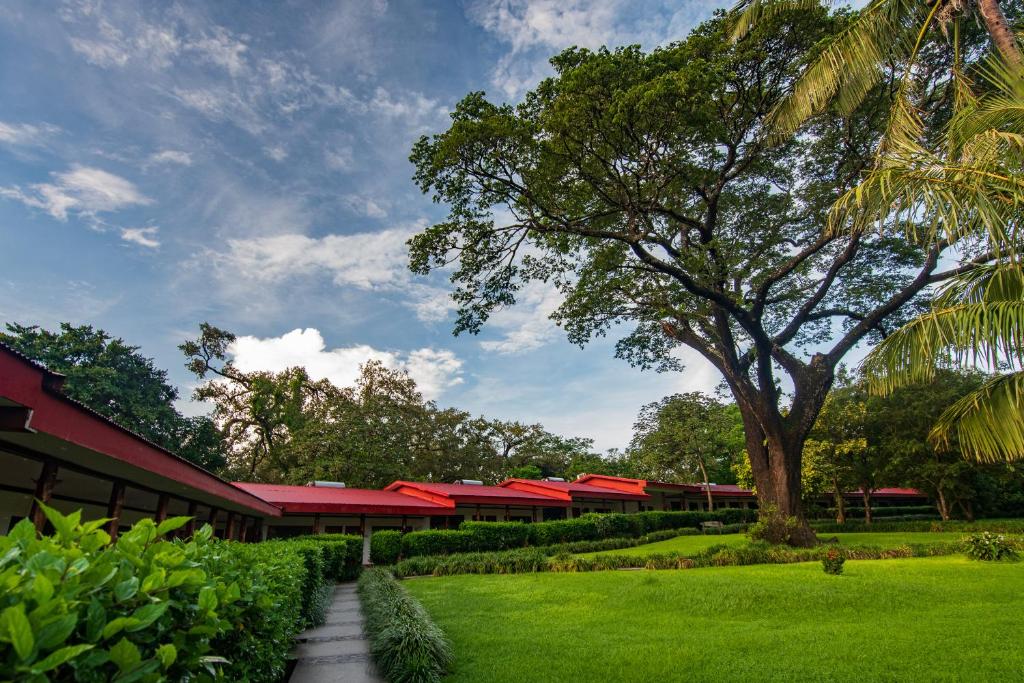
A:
{"points": [[75, 607], [1002, 526], [406, 644], [491, 536], [529, 560], [877, 512]]}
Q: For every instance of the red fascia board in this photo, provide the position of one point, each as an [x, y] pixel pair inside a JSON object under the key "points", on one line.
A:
{"points": [[570, 490], [472, 495], [618, 483], [501, 501], [24, 382], [410, 489], [365, 509]]}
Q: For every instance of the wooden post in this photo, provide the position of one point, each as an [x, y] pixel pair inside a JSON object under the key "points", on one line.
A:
{"points": [[243, 529], [476, 517], [259, 530], [114, 508], [229, 527], [316, 523], [161, 507], [533, 514], [506, 513], [404, 518], [190, 526], [44, 491]]}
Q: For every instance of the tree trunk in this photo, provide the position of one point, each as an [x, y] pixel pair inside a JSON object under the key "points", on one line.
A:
{"points": [[866, 494], [840, 503], [775, 464], [707, 486], [967, 507], [999, 31], [943, 506]]}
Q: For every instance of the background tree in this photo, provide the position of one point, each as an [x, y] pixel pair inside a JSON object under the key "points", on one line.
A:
{"points": [[685, 438], [644, 187], [114, 379], [837, 442]]}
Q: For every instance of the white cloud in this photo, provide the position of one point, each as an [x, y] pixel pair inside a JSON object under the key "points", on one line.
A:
{"points": [[82, 189], [366, 206], [367, 260], [527, 325], [434, 370], [223, 49], [144, 237], [340, 158], [26, 133], [276, 152], [171, 156]]}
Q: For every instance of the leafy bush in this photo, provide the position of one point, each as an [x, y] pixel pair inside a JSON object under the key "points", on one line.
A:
{"points": [[772, 527], [989, 547], [405, 642], [74, 607], [483, 536], [385, 547], [343, 554], [833, 561], [880, 512], [1003, 526], [434, 542]]}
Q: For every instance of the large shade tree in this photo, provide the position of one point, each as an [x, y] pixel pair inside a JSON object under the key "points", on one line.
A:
{"points": [[647, 188]]}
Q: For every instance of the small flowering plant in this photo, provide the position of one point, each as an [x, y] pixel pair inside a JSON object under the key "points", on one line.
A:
{"points": [[833, 561], [989, 547]]}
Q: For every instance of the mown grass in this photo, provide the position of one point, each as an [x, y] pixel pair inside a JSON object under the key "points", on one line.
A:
{"points": [[922, 619], [688, 545]]}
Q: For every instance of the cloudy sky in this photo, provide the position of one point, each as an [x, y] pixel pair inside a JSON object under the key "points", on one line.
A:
{"points": [[246, 164]]}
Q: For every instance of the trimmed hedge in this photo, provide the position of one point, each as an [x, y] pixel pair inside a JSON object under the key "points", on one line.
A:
{"points": [[385, 547], [529, 560], [1002, 526], [406, 644], [878, 512], [75, 607], [491, 536]]}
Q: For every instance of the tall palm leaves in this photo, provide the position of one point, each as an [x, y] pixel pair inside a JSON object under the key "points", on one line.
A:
{"points": [[962, 187]]}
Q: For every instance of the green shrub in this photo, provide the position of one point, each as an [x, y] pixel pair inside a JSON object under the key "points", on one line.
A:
{"points": [[343, 554], [385, 547], [989, 547], [1002, 526], [406, 644], [484, 536], [74, 607], [928, 511], [833, 561], [434, 542]]}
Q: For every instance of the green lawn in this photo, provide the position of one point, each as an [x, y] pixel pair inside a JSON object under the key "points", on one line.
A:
{"points": [[897, 620], [687, 545]]}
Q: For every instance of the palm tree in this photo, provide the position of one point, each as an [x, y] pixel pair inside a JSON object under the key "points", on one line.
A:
{"points": [[962, 187]]}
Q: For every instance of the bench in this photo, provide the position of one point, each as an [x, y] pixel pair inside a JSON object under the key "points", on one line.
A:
{"points": [[704, 526]]}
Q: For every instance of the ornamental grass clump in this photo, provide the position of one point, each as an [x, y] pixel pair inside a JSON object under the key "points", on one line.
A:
{"points": [[406, 644], [833, 561], [989, 547]]}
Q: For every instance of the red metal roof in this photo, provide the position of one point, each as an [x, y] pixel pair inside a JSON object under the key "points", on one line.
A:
{"points": [[471, 494], [27, 383], [570, 489], [642, 485], [313, 499], [891, 492]]}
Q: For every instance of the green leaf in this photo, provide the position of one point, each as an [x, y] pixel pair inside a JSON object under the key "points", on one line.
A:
{"points": [[117, 625], [167, 654], [153, 581], [16, 629], [170, 524], [56, 632], [58, 657], [95, 620], [63, 525], [207, 598], [125, 655], [126, 589], [147, 614]]}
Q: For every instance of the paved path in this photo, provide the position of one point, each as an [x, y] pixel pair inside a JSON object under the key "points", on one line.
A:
{"points": [[337, 651]]}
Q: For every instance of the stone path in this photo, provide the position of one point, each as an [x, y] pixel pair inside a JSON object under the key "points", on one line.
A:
{"points": [[337, 651]]}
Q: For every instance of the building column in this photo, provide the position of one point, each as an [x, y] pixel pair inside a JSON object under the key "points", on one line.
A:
{"points": [[316, 523], [259, 530], [229, 527], [44, 491], [161, 508], [211, 519], [264, 530], [190, 525], [404, 523], [506, 513], [366, 530], [476, 517], [114, 508]]}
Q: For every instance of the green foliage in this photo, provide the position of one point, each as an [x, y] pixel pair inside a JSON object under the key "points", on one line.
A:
{"points": [[385, 547], [434, 542], [990, 547], [882, 512], [74, 607], [485, 536], [772, 527], [407, 645], [114, 379], [1004, 526], [833, 561]]}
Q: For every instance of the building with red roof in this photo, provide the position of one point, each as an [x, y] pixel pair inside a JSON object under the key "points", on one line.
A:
{"points": [[473, 501]]}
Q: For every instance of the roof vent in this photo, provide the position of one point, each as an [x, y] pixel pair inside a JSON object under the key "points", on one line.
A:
{"points": [[562, 479], [327, 484], [469, 482]]}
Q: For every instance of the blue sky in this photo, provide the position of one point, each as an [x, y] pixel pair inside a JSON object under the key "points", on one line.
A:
{"points": [[246, 164]]}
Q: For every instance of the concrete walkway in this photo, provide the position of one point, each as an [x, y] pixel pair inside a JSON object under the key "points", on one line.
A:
{"points": [[337, 651]]}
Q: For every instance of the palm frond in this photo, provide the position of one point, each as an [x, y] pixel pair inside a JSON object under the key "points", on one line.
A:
{"points": [[990, 333], [746, 14], [986, 283], [988, 423]]}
